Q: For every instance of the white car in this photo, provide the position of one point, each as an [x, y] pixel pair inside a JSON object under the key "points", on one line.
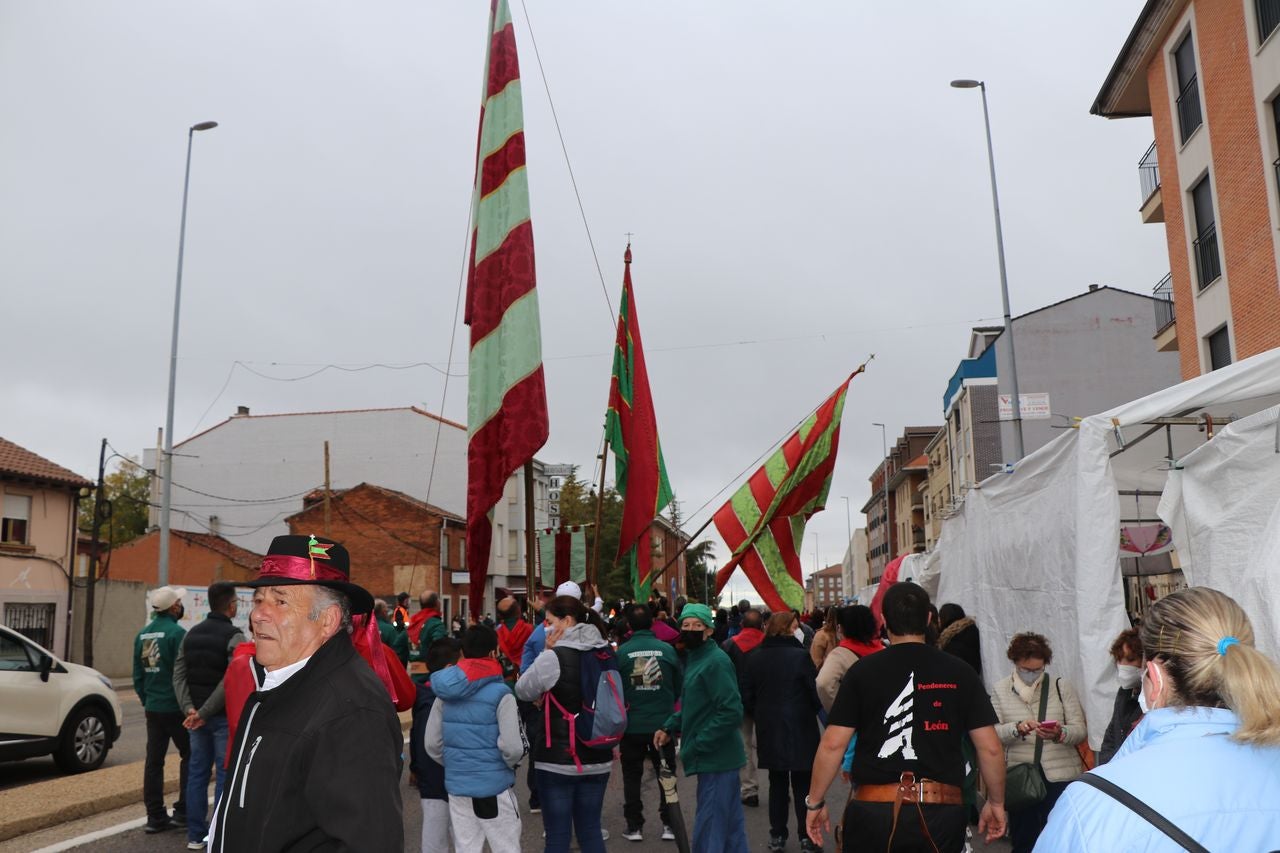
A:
{"points": [[49, 706]]}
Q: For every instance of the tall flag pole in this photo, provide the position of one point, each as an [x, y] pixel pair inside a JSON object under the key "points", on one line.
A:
{"points": [[632, 430], [507, 398], [763, 523]]}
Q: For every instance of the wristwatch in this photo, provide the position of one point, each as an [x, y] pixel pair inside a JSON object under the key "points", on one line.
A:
{"points": [[811, 807]]}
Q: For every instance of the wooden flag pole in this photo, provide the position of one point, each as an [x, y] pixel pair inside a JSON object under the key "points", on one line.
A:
{"points": [[683, 548], [595, 542], [530, 539]]}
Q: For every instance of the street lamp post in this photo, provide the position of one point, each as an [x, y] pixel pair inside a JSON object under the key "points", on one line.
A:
{"points": [[166, 493], [1004, 281], [884, 524]]}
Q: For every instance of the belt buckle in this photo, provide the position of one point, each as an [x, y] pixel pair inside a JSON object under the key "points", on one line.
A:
{"points": [[909, 790]]}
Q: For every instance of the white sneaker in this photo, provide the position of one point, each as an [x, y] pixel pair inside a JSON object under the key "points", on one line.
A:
{"points": [[667, 834], [604, 834], [633, 835]]}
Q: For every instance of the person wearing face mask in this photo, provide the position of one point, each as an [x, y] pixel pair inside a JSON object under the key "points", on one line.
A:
{"points": [[710, 725], [1205, 759], [780, 694], [1126, 651], [155, 650], [1018, 698]]}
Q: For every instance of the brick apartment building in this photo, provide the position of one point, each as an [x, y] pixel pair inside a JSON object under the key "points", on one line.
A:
{"points": [[826, 586], [903, 529], [1207, 73], [397, 543]]}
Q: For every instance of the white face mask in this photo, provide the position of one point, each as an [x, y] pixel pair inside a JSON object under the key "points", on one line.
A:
{"points": [[1130, 676], [798, 634], [1029, 676]]}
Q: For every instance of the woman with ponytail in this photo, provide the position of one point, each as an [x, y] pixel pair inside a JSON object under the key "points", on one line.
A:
{"points": [[1204, 763]]}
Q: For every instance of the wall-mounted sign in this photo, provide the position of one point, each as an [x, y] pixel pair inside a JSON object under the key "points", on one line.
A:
{"points": [[1034, 407]]}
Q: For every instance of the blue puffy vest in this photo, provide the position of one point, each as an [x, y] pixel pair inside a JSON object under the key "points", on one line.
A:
{"points": [[473, 764]]}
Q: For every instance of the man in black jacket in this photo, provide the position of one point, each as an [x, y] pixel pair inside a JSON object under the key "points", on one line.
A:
{"points": [[197, 682], [317, 756]]}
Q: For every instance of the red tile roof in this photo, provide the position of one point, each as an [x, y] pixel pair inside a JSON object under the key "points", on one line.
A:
{"points": [[318, 495], [240, 556], [19, 462]]}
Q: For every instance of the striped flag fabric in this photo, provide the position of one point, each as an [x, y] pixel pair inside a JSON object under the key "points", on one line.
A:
{"points": [[632, 428], [507, 398], [763, 523], [562, 555]]}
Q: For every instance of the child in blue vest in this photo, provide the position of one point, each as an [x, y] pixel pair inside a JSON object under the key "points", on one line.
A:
{"points": [[424, 772], [474, 731]]}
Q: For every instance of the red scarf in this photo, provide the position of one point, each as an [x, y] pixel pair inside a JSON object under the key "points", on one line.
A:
{"points": [[417, 620], [511, 640], [478, 668], [748, 638], [859, 648]]}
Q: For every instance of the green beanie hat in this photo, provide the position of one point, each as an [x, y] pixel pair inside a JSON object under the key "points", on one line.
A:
{"points": [[701, 612]]}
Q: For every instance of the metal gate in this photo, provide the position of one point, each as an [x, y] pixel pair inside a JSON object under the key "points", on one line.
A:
{"points": [[33, 621]]}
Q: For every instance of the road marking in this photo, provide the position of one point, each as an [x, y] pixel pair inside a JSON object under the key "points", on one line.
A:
{"points": [[98, 835]]}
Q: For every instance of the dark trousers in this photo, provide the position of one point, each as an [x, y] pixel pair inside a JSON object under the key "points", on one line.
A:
{"points": [[636, 748], [1025, 826], [163, 727], [787, 788], [532, 720], [867, 827]]}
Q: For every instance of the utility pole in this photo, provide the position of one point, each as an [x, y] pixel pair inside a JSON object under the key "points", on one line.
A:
{"points": [[326, 488], [93, 557]]}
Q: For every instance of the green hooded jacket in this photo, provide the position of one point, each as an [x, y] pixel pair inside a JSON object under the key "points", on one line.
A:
{"points": [[710, 715], [154, 651], [651, 678], [396, 638]]}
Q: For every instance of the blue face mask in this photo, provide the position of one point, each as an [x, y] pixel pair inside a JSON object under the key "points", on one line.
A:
{"points": [[1029, 676]]}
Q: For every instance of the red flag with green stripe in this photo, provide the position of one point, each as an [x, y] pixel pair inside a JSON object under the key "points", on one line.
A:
{"points": [[632, 429], [507, 398], [763, 523]]}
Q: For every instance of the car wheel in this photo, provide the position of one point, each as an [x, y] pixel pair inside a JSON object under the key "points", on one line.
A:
{"points": [[83, 745]]}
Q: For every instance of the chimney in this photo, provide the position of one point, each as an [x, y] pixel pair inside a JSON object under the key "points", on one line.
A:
{"points": [[1092, 288], [244, 410], [214, 526]]}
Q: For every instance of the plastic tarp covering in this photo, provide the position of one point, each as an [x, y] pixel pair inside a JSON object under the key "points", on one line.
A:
{"points": [[1224, 508], [1038, 549]]}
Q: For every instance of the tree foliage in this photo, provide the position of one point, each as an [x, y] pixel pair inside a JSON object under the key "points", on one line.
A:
{"points": [[126, 496]]}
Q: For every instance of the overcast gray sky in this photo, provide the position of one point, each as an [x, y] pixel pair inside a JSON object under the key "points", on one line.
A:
{"points": [[803, 186]]}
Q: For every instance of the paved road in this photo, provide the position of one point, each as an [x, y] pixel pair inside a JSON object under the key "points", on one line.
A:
{"points": [[135, 841], [132, 746]]}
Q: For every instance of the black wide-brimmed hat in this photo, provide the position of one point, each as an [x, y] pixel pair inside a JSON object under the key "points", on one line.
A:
{"points": [[293, 560]]}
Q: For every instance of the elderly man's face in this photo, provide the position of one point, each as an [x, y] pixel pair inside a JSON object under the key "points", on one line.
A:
{"points": [[283, 630]]}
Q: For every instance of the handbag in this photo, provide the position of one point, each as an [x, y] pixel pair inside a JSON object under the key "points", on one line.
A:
{"points": [[1024, 784]]}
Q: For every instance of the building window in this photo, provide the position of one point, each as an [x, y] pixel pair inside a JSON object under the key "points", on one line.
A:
{"points": [[1184, 61], [1268, 17], [33, 621], [1208, 259], [16, 519], [1219, 348]]}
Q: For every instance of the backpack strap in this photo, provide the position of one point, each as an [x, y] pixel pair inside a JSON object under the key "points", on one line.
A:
{"points": [[1144, 811], [1044, 706]]}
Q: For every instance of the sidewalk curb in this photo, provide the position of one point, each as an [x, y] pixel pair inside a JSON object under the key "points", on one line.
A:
{"points": [[40, 805]]}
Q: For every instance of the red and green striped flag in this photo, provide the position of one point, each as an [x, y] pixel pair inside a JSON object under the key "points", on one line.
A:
{"points": [[632, 429], [763, 523], [507, 398]]}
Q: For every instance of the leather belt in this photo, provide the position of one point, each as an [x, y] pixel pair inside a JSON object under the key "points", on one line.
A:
{"points": [[911, 791]]}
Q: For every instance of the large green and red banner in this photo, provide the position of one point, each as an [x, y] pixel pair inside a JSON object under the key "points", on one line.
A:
{"points": [[507, 398]]}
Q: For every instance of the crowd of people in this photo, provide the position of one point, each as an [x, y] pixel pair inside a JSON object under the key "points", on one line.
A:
{"points": [[297, 723]]}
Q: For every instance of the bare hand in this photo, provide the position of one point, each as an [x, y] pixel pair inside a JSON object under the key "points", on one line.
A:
{"points": [[661, 738], [1026, 727], [413, 779], [1047, 732], [816, 822], [192, 721], [554, 635], [992, 821]]}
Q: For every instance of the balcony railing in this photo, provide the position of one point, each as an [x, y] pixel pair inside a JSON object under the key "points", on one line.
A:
{"points": [[1268, 17], [1189, 116], [1149, 172], [1208, 262], [1163, 293]]}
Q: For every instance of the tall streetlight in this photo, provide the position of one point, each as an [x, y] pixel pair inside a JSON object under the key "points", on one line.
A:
{"points": [[1004, 281], [884, 523], [166, 494], [848, 519]]}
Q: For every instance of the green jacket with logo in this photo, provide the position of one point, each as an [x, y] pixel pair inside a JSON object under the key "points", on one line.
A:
{"points": [[651, 678], [154, 651], [710, 714]]}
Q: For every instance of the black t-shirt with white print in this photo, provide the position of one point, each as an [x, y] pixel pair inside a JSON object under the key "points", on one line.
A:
{"points": [[911, 705]]}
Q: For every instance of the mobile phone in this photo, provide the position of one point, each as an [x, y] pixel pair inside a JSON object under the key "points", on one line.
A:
{"points": [[1049, 724]]}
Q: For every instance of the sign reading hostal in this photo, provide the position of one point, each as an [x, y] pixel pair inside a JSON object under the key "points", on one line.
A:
{"points": [[1035, 407]]}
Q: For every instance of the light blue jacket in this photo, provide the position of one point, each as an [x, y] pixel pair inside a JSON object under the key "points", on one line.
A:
{"points": [[476, 731], [533, 646], [1181, 763]]}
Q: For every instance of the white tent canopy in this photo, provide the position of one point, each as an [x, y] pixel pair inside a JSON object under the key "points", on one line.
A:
{"points": [[1038, 549]]}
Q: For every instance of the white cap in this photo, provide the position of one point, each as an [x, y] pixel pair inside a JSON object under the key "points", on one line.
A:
{"points": [[162, 598], [569, 588]]}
